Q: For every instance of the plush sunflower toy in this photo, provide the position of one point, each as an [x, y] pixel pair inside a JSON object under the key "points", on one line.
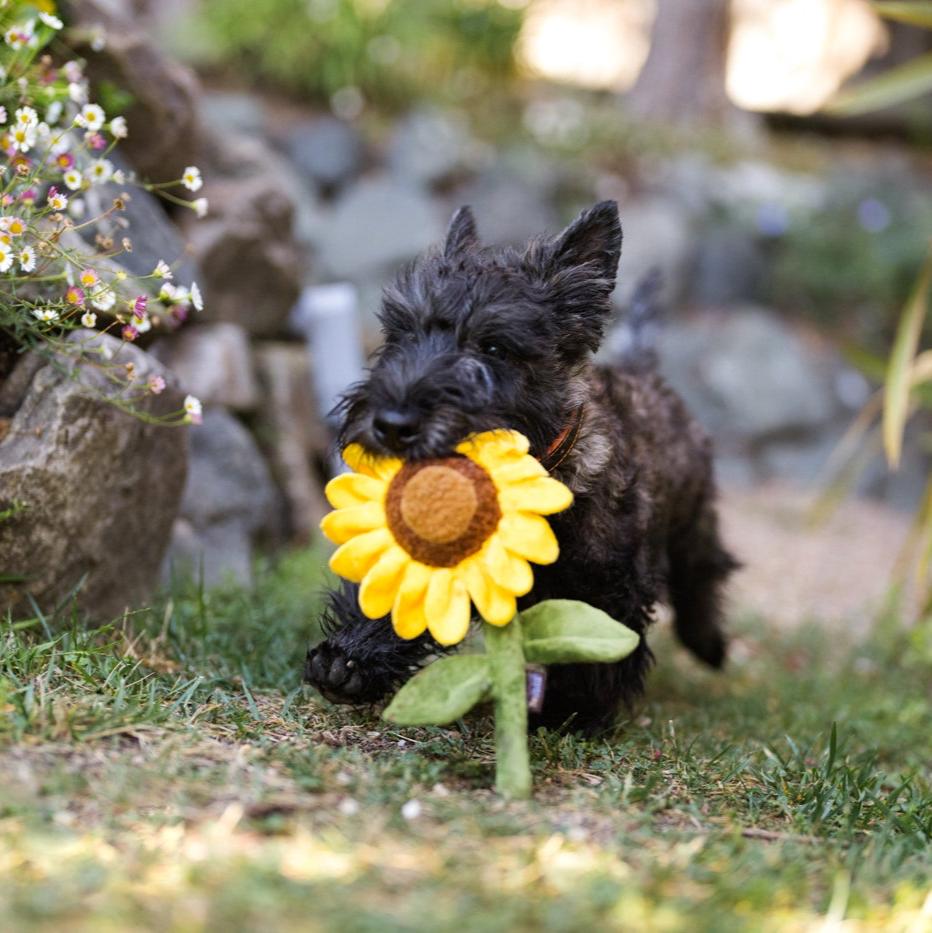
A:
{"points": [[429, 540]]}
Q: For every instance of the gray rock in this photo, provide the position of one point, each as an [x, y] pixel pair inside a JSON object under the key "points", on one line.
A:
{"points": [[328, 152], [729, 267], [213, 362], [378, 225], [510, 205], [746, 374], [658, 233], [294, 434], [430, 146], [250, 260], [145, 223], [232, 111], [99, 488], [228, 501]]}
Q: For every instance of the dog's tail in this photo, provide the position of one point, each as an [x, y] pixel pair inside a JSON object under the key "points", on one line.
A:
{"points": [[633, 343]]}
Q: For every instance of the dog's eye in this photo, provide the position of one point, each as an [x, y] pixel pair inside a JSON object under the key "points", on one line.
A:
{"points": [[496, 350]]}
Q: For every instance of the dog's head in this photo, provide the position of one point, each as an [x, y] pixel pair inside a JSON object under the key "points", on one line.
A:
{"points": [[479, 338]]}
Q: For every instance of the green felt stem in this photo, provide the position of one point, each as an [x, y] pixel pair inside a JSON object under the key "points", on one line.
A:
{"points": [[503, 646]]}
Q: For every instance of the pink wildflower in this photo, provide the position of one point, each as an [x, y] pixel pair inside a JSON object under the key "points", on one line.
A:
{"points": [[130, 333], [156, 385], [75, 296], [139, 307]]}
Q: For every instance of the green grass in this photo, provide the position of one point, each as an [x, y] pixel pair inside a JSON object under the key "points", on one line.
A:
{"points": [[170, 772]]}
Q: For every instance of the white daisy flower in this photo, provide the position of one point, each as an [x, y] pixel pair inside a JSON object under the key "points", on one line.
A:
{"points": [[104, 300], [118, 128], [23, 138], [191, 178], [14, 226], [50, 20], [2, 111], [100, 171], [57, 201], [142, 326], [197, 299], [88, 319], [26, 116], [77, 93], [200, 206], [193, 409], [46, 315], [27, 259], [15, 38], [162, 270], [6, 258], [72, 178], [91, 117]]}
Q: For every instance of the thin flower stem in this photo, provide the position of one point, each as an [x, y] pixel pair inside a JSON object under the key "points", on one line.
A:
{"points": [[506, 663]]}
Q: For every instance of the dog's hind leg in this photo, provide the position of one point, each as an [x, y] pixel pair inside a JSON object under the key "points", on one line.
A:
{"points": [[361, 660], [699, 567]]}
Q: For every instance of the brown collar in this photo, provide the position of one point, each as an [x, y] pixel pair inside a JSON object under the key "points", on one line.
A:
{"points": [[564, 442]]}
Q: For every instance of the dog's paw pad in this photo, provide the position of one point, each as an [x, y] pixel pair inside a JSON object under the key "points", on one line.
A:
{"points": [[334, 674]]}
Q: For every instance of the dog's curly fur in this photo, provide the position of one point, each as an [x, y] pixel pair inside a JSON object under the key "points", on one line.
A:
{"points": [[479, 338]]}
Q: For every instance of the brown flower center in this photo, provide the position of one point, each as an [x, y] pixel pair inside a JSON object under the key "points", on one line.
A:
{"points": [[441, 511]]}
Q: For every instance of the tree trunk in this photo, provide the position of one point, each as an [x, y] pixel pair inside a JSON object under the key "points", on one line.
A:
{"points": [[683, 79]]}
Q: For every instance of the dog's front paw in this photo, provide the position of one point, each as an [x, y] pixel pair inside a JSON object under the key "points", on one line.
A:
{"points": [[338, 677]]}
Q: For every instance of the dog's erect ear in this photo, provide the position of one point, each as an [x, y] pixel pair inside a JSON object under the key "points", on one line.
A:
{"points": [[462, 235], [593, 237]]}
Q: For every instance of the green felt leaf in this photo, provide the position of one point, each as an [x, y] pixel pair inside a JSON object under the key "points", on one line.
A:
{"points": [[558, 631], [442, 692]]}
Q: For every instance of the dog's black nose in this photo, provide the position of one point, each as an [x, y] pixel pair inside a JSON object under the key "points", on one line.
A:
{"points": [[397, 429]]}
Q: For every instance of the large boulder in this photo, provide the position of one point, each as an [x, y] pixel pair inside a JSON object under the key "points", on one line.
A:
{"points": [[93, 490], [213, 362], [750, 377], [326, 151], [250, 260], [162, 114], [433, 147], [379, 224], [228, 502]]}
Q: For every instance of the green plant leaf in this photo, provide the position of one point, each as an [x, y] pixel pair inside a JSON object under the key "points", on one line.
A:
{"points": [[899, 372], [559, 631], [443, 691], [916, 13], [894, 87]]}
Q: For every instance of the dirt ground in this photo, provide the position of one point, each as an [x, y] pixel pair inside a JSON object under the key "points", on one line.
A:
{"points": [[838, 570]]}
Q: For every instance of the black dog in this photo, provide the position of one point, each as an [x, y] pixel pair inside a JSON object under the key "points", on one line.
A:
{"points": [[478, 338]]}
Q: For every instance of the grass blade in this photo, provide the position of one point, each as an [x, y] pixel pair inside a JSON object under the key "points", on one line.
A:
{"points": [[896, 86], [915, 13], [899, 376]]}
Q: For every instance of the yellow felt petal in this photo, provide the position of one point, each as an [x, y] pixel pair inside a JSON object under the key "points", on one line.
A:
{"points": [[509, 571], [529, 536], [354, 559], [495, 605], [359, 460], [447, 607], [408, 616], [491, 449], [542, 495], [349, 489], [343, 524], [515, 471], [380, 585]]}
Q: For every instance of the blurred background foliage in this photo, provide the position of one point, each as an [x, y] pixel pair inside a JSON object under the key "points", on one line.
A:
{"points": [[390, 51]]}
